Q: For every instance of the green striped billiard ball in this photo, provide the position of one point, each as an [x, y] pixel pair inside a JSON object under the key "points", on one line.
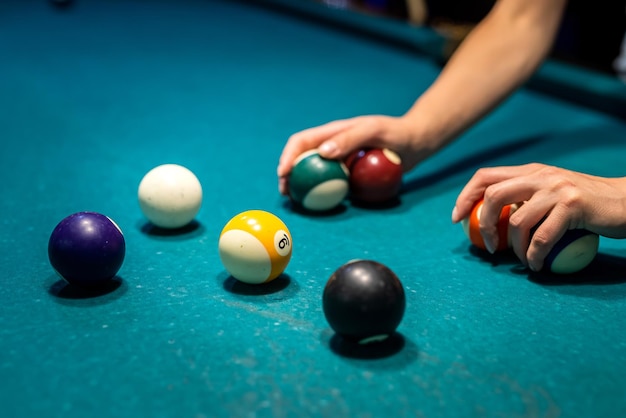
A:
{"points": [[316, 183]]}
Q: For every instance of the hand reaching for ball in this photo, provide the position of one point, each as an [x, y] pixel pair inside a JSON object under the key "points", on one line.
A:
{"points": [[555, 200], [336, 140]]}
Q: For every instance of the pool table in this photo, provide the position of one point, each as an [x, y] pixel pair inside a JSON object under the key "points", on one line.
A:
{"points": [[94, 95]]}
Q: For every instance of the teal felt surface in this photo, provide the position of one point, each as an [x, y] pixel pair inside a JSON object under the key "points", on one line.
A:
{"points": [[94, 96]]}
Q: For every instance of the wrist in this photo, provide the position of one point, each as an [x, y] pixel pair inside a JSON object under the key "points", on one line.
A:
{"points": [[426, 135]]}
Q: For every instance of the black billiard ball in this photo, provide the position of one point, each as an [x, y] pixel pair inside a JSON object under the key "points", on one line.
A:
{"points": [[86, 249], [364, 301]]}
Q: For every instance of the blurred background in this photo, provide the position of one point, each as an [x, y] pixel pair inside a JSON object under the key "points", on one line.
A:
{"points": [[591, 34]]}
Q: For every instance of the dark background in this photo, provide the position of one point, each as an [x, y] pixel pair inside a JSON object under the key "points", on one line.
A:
{"points": [[590, 34]]}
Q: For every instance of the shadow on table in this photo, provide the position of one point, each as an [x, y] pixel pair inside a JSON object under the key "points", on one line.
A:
{"points": [[69, 294], [281, 288], [396, 351], [191, 230], [389, 204], [348, 348], [604, 270], [294, 207], [478, 159], [460, 166], [342, 208]]}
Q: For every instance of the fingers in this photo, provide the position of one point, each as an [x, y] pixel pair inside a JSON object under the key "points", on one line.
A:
{"points": [[475, 189], [365, 132], [512, 191], [283, 185], [546, 235], [550, 204], [523, 226], [334, 140], [306, 140]]}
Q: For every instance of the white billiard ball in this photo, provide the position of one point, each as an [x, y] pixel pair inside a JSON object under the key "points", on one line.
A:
{"points": [[170, 196]]}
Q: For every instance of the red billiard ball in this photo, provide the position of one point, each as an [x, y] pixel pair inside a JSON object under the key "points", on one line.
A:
{"points": [[86, 249], [471, 226], [375, 175], [364, 301]]}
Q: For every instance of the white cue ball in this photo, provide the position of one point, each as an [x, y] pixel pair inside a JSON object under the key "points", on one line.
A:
{"points": [[170, 196]]}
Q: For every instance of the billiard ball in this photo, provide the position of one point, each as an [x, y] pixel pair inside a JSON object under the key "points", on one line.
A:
{"points": [[255, 246], [364, 301], [375, 175], [471, 226], [573, 252], [86, 249], [316, 183], [170, 196]]}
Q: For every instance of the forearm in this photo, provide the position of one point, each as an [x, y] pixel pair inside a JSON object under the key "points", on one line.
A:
{"points": [[496, 58]]}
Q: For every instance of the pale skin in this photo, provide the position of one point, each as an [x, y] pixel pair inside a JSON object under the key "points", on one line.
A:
{"points": [[555, 198], [501, 53]]}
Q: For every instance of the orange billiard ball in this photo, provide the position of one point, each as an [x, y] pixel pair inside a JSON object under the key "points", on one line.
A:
{"points": [[472, 230]]}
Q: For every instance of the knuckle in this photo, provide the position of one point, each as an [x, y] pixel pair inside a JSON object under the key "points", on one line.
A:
{"points": [[481, 173], [572, 197], [535, 166], [541, 242], [493, 193], [547, 170]]}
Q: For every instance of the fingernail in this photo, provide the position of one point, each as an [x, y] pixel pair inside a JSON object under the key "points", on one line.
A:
{"points": [[282, 186], [328, 149], [454, 215], [489, 246]]}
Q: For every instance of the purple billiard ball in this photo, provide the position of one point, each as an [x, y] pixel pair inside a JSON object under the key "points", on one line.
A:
{"points": [[573, 252], [86, 249]]}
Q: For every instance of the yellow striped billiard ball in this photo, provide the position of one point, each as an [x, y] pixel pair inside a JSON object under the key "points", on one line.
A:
{"points": [[255, 246]]}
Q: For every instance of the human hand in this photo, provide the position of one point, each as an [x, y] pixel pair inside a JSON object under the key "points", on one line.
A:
{"points": [[336, 140], [554, 200]]}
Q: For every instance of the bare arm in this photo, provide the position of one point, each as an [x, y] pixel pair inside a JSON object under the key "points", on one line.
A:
{"points": [[553, 198], [497, 56]]}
